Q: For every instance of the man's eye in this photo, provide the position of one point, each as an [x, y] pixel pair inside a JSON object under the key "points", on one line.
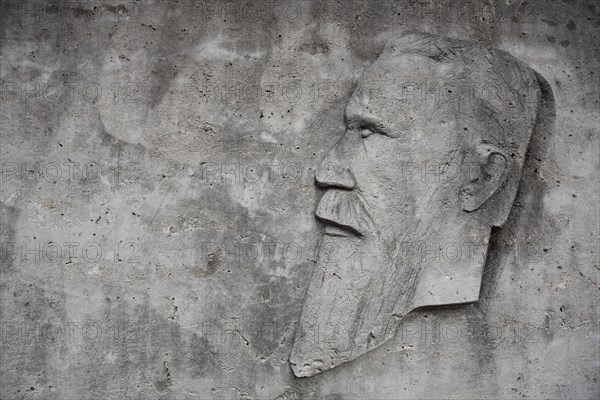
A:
{"points": [[366, 132]]}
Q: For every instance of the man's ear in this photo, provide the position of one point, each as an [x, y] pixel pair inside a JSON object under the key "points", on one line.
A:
{"points": [[494, 168]]}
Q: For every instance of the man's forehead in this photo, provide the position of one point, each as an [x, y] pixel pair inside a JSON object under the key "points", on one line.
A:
{"points": [[405, 66], [381, 88], [393, 73]]}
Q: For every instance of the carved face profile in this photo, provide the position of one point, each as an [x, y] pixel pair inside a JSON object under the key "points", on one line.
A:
{"points": [[436, 136]]}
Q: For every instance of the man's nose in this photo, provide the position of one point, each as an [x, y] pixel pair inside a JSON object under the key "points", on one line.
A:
{"points": [[334, 173]]}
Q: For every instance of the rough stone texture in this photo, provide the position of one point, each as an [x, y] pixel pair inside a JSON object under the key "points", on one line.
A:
{"points": [[158, 202]]}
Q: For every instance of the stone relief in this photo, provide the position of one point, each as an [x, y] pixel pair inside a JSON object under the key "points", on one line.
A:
{"points": [[436, 136]]}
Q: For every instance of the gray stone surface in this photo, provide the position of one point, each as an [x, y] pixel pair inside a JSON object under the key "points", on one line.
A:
{"points": [[158, 200]]}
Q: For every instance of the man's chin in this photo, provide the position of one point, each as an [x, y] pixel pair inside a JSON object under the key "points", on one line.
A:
{"points": [[347, 254]]}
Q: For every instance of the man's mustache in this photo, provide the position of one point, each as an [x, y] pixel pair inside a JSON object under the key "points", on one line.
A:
{"points": [[346, 210]]}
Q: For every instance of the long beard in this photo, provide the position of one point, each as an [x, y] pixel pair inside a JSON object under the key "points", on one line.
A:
{"points": [[359, 297]]}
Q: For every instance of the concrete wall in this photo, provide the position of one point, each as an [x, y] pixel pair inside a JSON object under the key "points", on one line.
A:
{"points": [[157, 202]]}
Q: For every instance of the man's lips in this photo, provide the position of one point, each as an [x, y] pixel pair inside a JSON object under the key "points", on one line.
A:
{"points": [[336, 230]]}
